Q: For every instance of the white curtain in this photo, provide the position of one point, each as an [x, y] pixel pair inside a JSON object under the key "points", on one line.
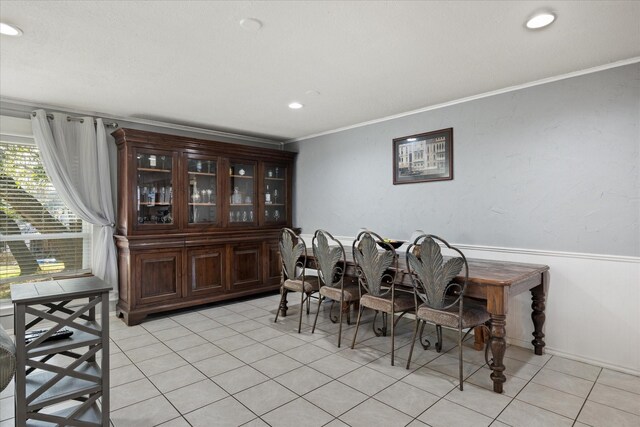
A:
{"points": [[75, 156]]}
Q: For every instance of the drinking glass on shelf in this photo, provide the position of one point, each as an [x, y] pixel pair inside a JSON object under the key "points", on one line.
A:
{"points": [[276, 215], [275, 196], [209, 192], [277, 172], [204, 192], [162, 159]]}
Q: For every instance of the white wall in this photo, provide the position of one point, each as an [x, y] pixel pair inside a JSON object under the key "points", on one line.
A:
{"points": [[548, 174]]}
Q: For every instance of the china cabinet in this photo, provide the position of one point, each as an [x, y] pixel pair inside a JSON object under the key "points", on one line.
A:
{"points": [[198, 220]]}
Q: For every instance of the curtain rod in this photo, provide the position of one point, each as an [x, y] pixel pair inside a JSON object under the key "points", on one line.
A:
{"points": [[80, 119]]}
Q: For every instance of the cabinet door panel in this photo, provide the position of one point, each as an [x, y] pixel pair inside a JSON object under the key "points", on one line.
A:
{"points": [[246, 266], [274, 266], [206, 271], [158, 276]]}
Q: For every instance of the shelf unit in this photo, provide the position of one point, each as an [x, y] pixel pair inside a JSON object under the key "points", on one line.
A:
{"points": [[62, 382], [215, 238]]}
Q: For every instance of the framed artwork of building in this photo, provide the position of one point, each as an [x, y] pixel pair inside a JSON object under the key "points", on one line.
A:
{"points": [[423, 157]]}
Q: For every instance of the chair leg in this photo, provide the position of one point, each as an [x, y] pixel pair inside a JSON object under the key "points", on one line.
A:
{"points": [[340, 320], [308, 303], [393, 337], [283, 295], [460, 355], [320, 299], [355, 334], [302, 294], [413, 341], [439, 335]]}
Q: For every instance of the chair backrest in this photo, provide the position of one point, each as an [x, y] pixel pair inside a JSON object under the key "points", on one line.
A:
{"points": [[431, 276], [329, 252], [375, 265], [293, 254]]}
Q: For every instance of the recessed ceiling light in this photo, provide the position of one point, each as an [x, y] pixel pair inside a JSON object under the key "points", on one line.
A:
{"points": [[9, 30], [295, 106], [540, 20], [250, 24]]}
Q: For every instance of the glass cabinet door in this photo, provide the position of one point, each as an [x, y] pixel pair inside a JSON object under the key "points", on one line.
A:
{"points": [[275, 194], [242, 197], [202, 191], [154, 188]]}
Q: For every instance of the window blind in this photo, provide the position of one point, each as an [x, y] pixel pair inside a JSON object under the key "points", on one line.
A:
{"points": [[40, 237]]}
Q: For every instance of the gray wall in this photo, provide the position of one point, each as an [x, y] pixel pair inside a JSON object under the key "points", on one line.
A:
{"points": [[551, 167]]}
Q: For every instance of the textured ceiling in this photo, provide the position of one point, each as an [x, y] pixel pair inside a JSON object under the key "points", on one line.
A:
{"points": [[191, 63]]}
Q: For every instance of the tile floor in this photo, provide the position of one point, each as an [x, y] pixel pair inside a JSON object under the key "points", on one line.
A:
{"points": [[229, 364]]}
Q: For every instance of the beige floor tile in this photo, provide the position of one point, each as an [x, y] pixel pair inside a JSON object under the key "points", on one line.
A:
{"points": [[297, 413], [361, 354], [230, 319], [256, 422], [407, 398], [160, 364], [302, 380], [172, 333], [445, 413], [196, 395], [235, 342], [276, 365], [432, 381], [7, 409], [417, 423], [124, 374], [187, 341], [188, 318], [553, 400], [522, 414], [138, 355], [118, 360], [253, 353], [398, 370], [226, 413], [137, 342], [616, 398], [216, 334], [263, 333], [367, 380], [177, 378], [239, 379], [335, 398], [133, 392], [176, 422], [202, 325], [307, 354], [214, 312], [373, 412], [572, 367], [265, 397], [563, 382], [520, 369], [126, 332], [597, 415], [334, 423], [218, 364], [620, 380], [334, 366], [155, 325], [284, 343], [479, 399], [9, 389], [246, 325], [200, 352], [526, 355], [150, 412]]}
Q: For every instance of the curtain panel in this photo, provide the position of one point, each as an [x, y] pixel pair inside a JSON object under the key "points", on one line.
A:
{"points": [[76, 159]]}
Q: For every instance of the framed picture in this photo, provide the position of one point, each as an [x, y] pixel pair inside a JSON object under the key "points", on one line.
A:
{"points": [[423, 157]]}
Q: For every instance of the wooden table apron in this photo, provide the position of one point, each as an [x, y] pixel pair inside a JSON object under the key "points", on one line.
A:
{"points": [[495, 282]]}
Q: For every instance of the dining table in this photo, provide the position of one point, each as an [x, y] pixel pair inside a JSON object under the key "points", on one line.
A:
{"points": [[494, 282]]}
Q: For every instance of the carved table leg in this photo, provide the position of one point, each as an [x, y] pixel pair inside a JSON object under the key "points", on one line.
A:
{"points": [[538, 317], [498, 347]]}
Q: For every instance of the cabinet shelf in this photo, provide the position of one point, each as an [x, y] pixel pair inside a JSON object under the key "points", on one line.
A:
{"points": [[154, 204], [154, 170], [202, 204], [89, 416], [67, 388], [242, 176], [78, 339], [273, 179], [201, 173], [241, 204]]}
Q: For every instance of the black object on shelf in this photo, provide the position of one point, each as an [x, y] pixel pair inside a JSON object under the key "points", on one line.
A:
{"points": [[37, 333]]}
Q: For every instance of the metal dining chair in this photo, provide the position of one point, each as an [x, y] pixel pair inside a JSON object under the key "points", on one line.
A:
{"points": [[442, 299], [293, 255], [376, 270], [331, 262]]}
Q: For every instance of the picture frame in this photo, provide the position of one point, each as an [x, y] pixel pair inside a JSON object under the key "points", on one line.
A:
{"points": [[423, 157]]}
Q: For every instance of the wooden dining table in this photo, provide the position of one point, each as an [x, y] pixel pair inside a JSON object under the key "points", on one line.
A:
{"points": [[494, 282]]}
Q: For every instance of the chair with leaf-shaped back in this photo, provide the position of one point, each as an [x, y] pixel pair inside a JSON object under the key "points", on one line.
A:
{"points": [[331, 262], [376, 270], [293, 255], [441, 298]]}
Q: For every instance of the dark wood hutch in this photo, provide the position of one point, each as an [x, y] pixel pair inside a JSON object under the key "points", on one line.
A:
{"points": [[198, 220]]}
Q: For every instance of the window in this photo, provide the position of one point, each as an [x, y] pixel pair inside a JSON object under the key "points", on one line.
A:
{"points": [[40, 238]]}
